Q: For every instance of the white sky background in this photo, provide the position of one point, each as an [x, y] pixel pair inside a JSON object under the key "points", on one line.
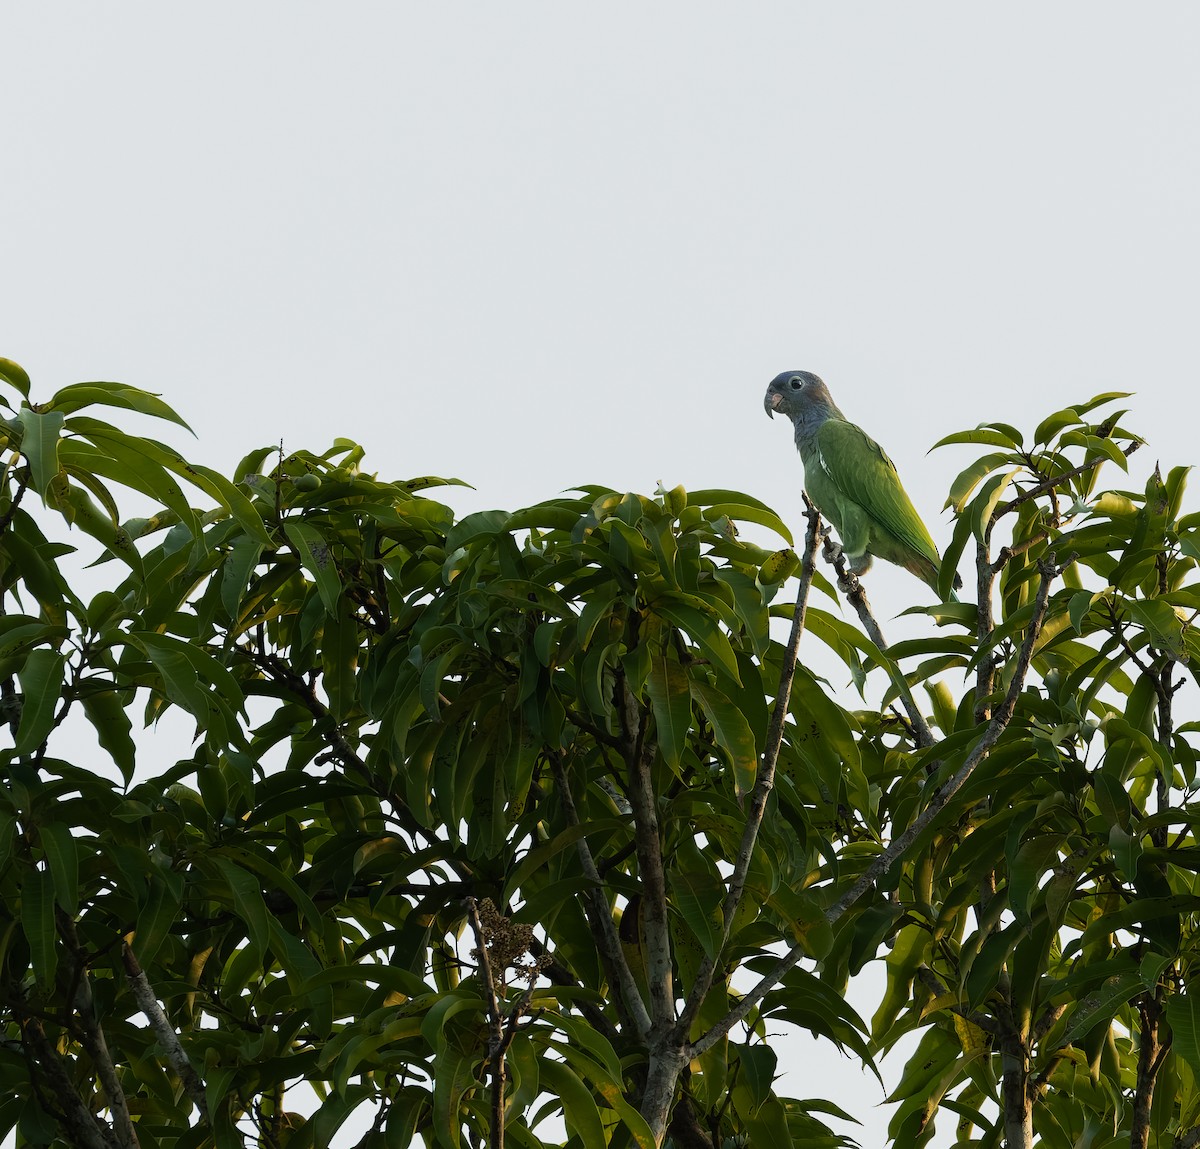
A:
{"points": [[539, 244]]}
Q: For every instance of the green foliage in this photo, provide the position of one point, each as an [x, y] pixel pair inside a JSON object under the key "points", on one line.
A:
{"points": [[563, 713]]}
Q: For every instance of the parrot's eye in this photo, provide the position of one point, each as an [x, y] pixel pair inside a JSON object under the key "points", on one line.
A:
{"points": [[795, 382]]}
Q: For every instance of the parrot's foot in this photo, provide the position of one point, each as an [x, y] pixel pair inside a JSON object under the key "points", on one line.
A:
{"points": [[848, 567], [849, 584], [830, 550]]}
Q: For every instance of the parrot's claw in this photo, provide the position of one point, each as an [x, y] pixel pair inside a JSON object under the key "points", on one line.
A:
{"points": [[849, 584]]}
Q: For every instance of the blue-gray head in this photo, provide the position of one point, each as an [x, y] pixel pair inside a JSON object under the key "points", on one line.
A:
{"points": [[802, 397]]}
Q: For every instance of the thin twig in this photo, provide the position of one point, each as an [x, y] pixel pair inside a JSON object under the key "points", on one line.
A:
{"points": [[604, 932], [496, 1042], [11, 511], [1054, 481], [898, 846], [764, 783], [856, 593], [648, 839]]}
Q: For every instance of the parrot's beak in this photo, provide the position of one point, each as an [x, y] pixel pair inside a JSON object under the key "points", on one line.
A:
{"points": [[771, 403]]}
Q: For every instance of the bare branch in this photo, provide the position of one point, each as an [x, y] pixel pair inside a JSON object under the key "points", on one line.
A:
{"points": [[856, 594], [83, 1129], [164, 1031], [496, 1042], [1051, 483], [604, 932], [898, 846], [644, 802], [94, 1040], [764, 783]]}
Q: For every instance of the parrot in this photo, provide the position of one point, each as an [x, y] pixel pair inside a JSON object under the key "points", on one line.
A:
{"points": [[852, 482]]}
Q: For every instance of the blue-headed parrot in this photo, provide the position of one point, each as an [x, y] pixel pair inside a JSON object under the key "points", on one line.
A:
{"points": [[852, 482]]}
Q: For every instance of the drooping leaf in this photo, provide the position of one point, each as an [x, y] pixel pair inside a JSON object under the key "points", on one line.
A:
{"points": [[76, 396], [37, 922], [41, 691], [15, 376], [732, 732], [316, 557], [39, 445]]}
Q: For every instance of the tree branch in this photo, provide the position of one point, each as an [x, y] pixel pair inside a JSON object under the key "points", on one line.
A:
{"points": [[1052, 482], [94, 1041], [648, 840], [604, 931], [82, 1128], [856, 594], [764, 783], [496, 1042], [896, 849], [164, 1032]]}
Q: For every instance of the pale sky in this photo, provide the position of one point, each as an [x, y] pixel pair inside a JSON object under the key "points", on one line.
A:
{"points": [[540, 244]]}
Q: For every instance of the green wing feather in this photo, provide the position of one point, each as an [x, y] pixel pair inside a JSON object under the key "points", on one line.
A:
{"points": [[860, 470]]}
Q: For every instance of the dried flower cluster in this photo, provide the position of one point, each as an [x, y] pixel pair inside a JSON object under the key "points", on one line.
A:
{"points": [[508, 944]]}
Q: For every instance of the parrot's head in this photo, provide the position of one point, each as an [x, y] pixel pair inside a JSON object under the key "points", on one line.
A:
{"points": [[799, 395]]}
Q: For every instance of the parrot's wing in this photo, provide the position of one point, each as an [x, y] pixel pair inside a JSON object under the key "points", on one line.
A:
{"points": [[862, 472]]}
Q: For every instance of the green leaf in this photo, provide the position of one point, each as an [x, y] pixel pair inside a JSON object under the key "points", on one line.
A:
{"points": [[15, 376], [1162, 624], [211, 482], [39, 444], [1183, 1015], [970, 477], [317, 559], [936, 1051], [732, 732], [339, 661], [986, 502], [579, 1108], [704, 631], [751, 514], [769, 1125], [1100, 1007], [1052, 424], [78, 395], [758, 1066], [113, 729], [698, 895], [41, 689], [236, 572], [37, 922], [123, 459], [982, 436], [670, 697], [453, 1076], [77, 508], [181, 682], [58, 842], [247, 895], [611, 1089]]}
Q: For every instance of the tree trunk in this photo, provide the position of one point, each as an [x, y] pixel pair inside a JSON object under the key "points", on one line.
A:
{"points": [[659, 1095], [1018, 1105], [1149, 1047]]}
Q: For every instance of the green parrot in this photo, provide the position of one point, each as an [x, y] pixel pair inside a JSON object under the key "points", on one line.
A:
{"points": [[852, 482]]}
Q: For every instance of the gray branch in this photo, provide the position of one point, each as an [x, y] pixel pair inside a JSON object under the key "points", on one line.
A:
{"points": [[896, 849], [612, 957], [765, 781], [164, 1032]]}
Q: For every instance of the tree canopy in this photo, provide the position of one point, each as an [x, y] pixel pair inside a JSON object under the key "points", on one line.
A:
{"points": [[498, 825]]}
